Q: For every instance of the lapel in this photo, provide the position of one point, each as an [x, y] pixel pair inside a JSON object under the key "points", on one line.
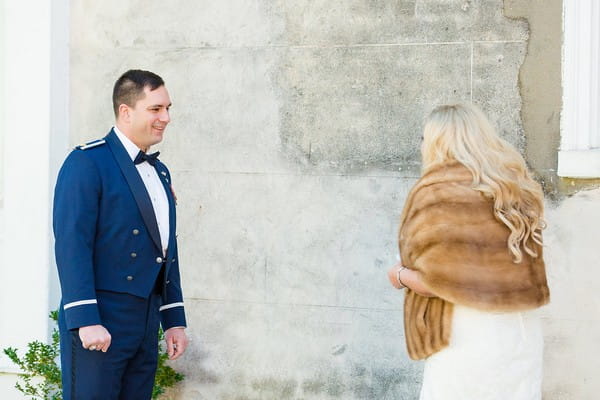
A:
{"points": [[166, 182], [136, 185]]}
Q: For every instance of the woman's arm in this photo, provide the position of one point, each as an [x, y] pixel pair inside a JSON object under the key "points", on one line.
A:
{"points": [[408, 278]]}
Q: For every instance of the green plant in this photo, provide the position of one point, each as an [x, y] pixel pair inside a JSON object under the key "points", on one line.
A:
{"points": [[40, 378], [165, 375]]}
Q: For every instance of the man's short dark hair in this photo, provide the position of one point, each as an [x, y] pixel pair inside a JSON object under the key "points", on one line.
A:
{"points": [[129, 88]]}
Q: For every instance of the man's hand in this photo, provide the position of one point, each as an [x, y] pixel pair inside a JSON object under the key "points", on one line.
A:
{"points": [[177, 342], [95, 337]]}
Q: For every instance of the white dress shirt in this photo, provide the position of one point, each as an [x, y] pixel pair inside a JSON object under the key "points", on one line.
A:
{"points": [[154, 187]]}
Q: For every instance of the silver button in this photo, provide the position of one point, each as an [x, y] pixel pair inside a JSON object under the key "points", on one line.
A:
{"points": [[173, 260], [168, 282], [129, 277], [159, 259], [135, 232], [133, 255]]}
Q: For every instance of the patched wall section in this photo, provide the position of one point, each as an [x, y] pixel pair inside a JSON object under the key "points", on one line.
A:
{"points": [[362, 75], [294, 142]]}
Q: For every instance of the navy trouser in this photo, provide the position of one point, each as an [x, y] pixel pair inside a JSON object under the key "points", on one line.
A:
{"points": [[126, 371]]}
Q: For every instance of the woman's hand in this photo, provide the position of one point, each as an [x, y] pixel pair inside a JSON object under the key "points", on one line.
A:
{"points": [[408, 278], [393, 276]]}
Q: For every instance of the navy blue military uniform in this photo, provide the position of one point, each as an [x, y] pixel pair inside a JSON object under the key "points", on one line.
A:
{"points": [[112, 271]]}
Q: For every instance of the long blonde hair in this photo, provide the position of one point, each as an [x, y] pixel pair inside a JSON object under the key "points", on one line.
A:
{"points": [[462, 132]]}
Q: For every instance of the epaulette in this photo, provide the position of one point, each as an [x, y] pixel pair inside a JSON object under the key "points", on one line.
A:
{"points": [[91, 144]]}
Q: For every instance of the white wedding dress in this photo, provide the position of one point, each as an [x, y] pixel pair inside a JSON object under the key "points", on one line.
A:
{"points": [[491, 356]]}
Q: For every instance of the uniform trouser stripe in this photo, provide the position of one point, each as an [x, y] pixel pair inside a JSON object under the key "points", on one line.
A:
{"points": [[73, 363]]}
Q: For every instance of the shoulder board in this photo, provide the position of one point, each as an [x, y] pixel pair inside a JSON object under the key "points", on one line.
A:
{"points": [[91, 145]]}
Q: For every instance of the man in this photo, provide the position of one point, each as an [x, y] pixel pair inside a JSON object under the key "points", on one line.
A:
{"points": [[116, 251]]}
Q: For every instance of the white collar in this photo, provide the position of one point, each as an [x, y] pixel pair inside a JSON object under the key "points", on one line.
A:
{"points": [[131, 148]]}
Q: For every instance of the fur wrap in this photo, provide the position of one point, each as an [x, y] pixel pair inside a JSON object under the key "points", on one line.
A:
{"points": [[450, 235]]}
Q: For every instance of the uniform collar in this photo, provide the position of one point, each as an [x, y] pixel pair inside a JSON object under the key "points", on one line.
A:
{"points": [[130, 147]]}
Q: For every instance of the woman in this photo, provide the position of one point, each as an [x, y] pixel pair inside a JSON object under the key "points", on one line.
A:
{"points": [[471, 261]]}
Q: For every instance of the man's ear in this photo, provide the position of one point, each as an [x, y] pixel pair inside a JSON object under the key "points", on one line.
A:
{"points": [[124, 113]]}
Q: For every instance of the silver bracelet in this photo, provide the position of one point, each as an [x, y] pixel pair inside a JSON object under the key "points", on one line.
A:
{"points": [[398, 277]]}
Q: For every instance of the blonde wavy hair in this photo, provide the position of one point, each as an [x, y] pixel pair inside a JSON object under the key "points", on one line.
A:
{"points": [[462, 132]]}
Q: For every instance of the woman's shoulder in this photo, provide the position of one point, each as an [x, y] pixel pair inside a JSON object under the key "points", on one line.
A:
{"points": [[446, 181]]}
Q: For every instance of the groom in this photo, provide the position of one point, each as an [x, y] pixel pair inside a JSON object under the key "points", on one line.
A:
{"points": [[116, 251]]}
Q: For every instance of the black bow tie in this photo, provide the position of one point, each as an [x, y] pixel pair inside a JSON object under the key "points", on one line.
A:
{"points": [[151, 158]]}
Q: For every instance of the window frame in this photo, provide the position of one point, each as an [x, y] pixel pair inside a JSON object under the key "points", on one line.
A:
{"points": [[579, 154]]}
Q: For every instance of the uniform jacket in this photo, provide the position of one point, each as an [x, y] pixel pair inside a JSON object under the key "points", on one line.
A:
{"points": [[106, 234]]}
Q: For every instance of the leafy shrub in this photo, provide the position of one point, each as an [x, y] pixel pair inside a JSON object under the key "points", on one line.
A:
{"points": [[40, 378]]}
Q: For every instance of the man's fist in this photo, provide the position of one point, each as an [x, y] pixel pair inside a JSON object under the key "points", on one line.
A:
{"points": [[95, 337]]}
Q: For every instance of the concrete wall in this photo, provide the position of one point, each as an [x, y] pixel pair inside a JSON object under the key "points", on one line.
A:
{"points": [[572, 320], [293, 144]]}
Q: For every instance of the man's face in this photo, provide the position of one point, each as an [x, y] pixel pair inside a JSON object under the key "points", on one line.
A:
{"points": [[149, 118]]}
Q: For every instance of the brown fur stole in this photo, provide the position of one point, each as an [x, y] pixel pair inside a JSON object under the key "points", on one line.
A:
{"points": [[450, 235]]}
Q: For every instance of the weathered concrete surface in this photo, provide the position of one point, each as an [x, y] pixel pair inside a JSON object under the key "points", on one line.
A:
{"points": [[495, 72], [350, 107], [539, 86], [294, 140], [235, 23], [247, 350], [345, 89], [342, 109], [290, 239]]}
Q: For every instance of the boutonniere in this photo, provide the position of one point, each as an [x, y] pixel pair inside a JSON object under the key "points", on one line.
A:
{"points": [[173, 193]]}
